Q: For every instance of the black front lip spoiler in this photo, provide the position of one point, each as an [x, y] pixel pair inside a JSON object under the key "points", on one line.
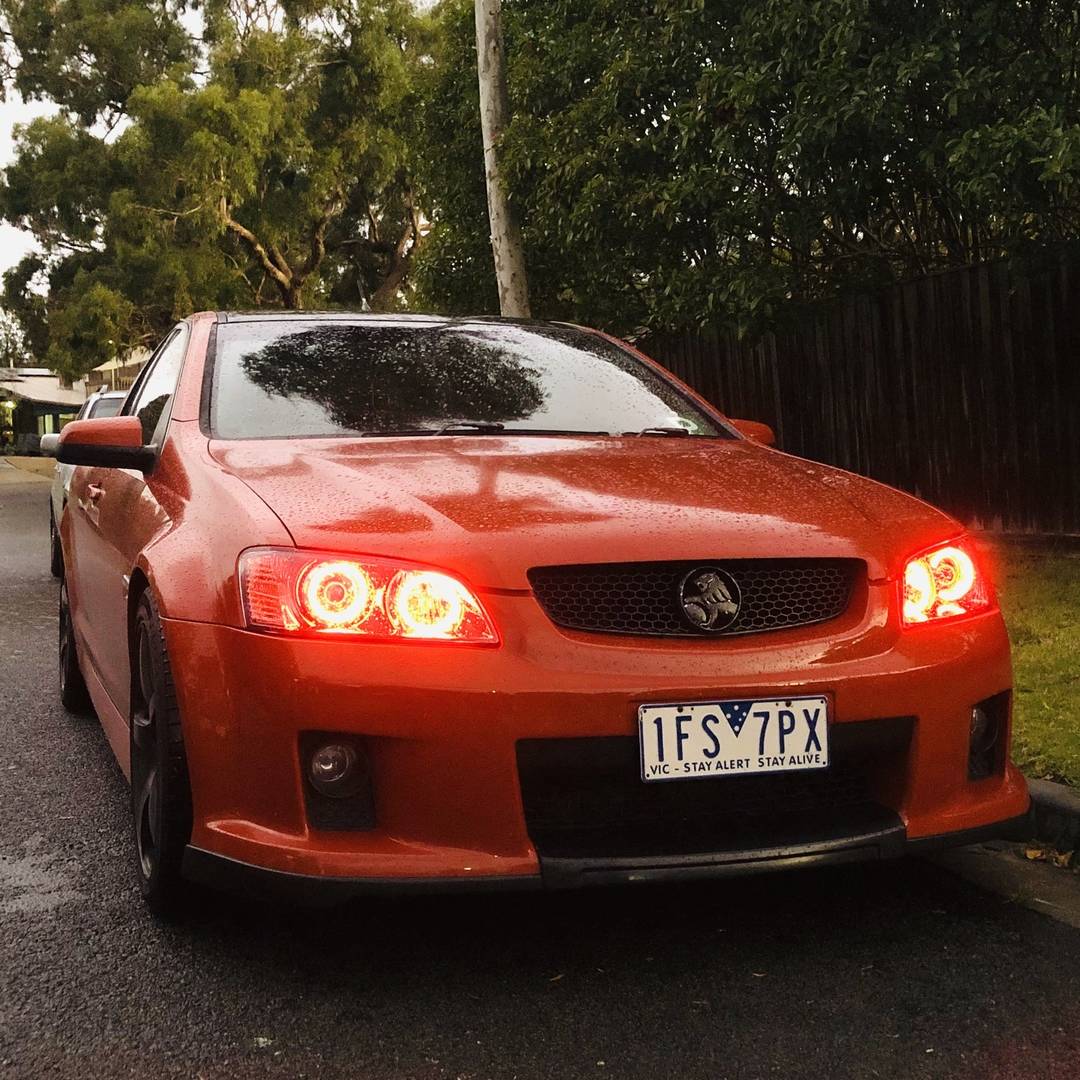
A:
{"points": [[258, 882], [309, 890]]}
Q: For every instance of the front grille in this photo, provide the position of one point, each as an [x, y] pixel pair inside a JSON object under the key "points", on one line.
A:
{"points": [[644, 598], [585, 796]]}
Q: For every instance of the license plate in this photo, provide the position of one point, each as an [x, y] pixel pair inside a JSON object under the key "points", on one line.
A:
{"points": [[729, 738]]}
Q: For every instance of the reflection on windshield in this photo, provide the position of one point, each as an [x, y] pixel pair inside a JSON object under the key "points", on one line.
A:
{"points": [[309, 378]]}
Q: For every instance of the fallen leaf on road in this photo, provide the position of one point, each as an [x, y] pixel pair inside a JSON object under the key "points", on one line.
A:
{"points": [[1061, 859]]}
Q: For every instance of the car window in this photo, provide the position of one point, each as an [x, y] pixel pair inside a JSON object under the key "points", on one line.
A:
{"points": [[105, 406], [150, 398], [295, 378]]}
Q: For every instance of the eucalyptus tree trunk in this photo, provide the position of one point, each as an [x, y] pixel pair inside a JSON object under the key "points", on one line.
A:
{"points": [[506, 244]]}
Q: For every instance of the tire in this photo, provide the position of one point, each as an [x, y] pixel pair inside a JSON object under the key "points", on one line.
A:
{"points": [[160, 789], [56, 554], [73, 693]]}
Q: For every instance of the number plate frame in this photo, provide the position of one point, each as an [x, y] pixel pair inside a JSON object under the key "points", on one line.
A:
{"points": [[733, 733]]}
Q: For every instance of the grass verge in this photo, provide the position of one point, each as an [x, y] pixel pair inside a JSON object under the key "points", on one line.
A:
{"points": [[1039, 589]]}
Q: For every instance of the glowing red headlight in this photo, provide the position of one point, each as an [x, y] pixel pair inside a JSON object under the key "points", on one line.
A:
{"points": [[944, 583], [302, 592], [335, 594], [427, 604]]}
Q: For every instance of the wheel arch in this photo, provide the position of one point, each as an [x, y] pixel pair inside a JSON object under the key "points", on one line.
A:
{"points": [[143, 580], [140, 584]]}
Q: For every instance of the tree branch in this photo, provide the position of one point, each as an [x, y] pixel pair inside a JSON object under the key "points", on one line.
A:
{"points": [[283, 279], [401, 260], [279, 258], [318, 247]]}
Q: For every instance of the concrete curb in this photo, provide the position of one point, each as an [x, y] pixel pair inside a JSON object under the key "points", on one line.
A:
{"points": [[1055, 813]]}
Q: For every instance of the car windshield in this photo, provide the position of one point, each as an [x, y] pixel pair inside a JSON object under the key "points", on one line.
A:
{"points": [[106, 406], [298, 378]]}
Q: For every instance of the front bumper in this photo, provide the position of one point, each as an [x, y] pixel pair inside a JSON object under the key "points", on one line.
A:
{"points": [[258, 882], [446, 728]]}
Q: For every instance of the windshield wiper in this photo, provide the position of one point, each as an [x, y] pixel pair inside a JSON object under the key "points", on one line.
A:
{"points": [[477, 427], [677, 432], [552, 431], [472, 427], [399, 431], [495, 427]]}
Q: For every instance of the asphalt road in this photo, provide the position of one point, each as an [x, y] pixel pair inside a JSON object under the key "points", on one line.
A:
{"points": [[898, 971]]}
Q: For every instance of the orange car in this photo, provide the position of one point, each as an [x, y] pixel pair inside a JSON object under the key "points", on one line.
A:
{"points": [[374, 602]]}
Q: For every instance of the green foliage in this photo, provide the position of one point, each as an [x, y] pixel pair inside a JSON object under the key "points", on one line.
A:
{"points": [[26, 305], [91, 326], [265, 168], [686, 161], [673, 163], [90, 55], [59, 184]]}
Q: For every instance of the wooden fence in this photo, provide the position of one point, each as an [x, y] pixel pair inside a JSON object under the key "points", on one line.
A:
{"points": [[962, 387]]}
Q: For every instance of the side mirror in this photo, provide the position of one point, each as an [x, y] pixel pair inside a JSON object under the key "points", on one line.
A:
{"points": [[755, 432], [48, 445], [115, 442]]}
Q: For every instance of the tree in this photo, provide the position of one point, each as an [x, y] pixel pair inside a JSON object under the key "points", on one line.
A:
{"points": [[12, 342], [688, 161], [494, 108], [264, 165]]}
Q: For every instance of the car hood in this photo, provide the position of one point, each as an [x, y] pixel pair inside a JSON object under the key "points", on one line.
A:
{"points": [[491, 507]]}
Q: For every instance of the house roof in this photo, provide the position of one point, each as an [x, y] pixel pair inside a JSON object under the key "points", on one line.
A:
{"points": [[40, 386], [136, 358]]}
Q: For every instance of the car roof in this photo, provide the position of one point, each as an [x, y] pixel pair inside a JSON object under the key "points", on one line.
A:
{"points": [[393, 319]]}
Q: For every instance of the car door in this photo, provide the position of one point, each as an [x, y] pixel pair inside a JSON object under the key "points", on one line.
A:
{"points": [[94, 409], [115, 515]]}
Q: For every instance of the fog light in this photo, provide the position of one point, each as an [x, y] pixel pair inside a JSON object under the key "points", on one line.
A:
{"points": [[989, 724], [332, 770], [982, 730], [338, 791]]}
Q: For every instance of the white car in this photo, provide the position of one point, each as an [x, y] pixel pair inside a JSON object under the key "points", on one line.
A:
{"points": [[103, 403]]}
